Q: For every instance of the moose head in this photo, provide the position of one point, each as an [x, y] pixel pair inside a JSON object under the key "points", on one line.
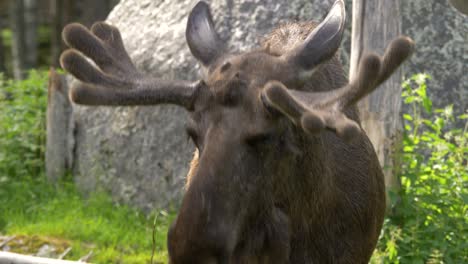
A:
{"points": [[283, 172]]}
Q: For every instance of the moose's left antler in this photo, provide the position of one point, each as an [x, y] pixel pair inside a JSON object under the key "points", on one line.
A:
{"points": [[314, 111]]}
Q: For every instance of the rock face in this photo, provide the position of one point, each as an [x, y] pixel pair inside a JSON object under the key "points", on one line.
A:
{"points": [[441, 37], [141, 154]]}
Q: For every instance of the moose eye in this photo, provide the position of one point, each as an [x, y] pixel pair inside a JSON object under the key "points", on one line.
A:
{"points": [[259, 139]]}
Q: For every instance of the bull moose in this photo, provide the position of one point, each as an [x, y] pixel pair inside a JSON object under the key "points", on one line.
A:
{"points": [[282, 172]]}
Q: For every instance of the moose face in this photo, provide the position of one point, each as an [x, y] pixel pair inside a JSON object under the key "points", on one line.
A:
{"points": [[250, 120], [242, 147], [229, 102]]}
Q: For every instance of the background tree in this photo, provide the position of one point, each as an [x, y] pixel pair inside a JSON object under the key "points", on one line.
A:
{"points": [[18, 46], [2, 48], [31, 25], [34, 29]]}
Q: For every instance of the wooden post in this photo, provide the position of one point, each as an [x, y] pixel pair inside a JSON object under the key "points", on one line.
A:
{"points": [[59, 110], [376, 23]]}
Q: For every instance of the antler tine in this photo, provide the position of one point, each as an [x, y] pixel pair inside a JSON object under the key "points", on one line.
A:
{"points": [[312, 120], [373, 71], [111, 36], [316, 111], [117, 81], [396, 53], [82, 69], [313, 117], [106, 52], [368, 74], [360, 86]]}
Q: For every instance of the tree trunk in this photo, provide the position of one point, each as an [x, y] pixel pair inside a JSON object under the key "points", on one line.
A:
{"points": [[18, 42], [2, 51], [30, 34], [23, 23], [56, 8], [375, 24]]}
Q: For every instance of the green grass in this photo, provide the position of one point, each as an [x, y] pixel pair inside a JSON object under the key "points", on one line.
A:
{"points": [[115, 233]]}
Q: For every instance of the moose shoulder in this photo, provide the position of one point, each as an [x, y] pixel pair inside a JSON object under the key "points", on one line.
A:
{"points": [[283, 172]]}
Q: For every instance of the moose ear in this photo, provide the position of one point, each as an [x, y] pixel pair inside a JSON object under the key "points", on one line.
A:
{"points": [[202, 39], [323, 42]]}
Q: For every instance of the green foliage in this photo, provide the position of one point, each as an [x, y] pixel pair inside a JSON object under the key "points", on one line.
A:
{"points": [[429, 222], [22, 125]]}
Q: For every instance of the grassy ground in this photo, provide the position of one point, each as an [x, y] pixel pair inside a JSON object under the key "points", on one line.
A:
{"points": [[38, 213]]}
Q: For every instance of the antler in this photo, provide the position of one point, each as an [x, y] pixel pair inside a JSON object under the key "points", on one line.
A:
{"points": [[314, 111], [117, 81]]}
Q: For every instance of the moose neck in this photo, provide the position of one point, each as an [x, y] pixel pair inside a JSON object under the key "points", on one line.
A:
{"points": [[311, 180]]}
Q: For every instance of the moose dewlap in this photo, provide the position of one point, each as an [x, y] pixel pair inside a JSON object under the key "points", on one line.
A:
{"points": [[283, 172]]}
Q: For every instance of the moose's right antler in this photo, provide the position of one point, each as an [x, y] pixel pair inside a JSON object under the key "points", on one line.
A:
{"points": [[314, 111], [117, 81]]}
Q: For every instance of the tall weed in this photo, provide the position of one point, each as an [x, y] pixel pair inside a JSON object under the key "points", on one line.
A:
{"points": [[22, 126]]}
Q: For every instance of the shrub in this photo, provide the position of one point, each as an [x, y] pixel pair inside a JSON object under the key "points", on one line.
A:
{"points": [[429, 222], [22, 125]]}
